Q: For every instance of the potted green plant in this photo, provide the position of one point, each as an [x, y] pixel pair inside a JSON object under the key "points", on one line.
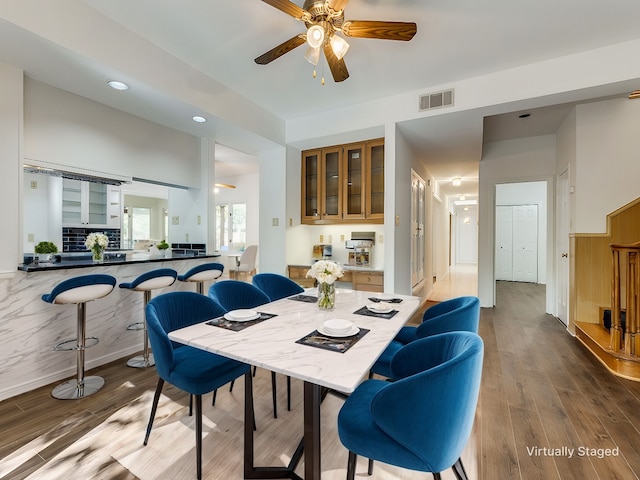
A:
{"points": [[45, 251], [162, 246]]}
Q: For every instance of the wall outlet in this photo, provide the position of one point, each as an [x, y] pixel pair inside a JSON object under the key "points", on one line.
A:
{"points": [[34, 184], [380, 238], [342, 238], [397, 220], [186, 237], [321, 238], [175, 220], [291, 222], [275, 222], [198, 220], [30, 237]]}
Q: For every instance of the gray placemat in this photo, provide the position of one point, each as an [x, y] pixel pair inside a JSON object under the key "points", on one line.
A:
{"points": [[369, 313], [238, 326], [304, 298], [335, 344]]}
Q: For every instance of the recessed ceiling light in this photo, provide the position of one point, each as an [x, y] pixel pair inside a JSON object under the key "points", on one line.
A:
{"points": [[634, 94], [117, 85], [456, 182], [199, 119]]}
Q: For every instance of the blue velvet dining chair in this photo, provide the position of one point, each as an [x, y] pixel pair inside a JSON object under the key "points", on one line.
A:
{"points": [[190, 369], [233, 295], [276, 286], [423, 420], [460, 314]]}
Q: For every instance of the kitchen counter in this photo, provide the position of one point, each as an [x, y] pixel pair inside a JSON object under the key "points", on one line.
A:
{"points": [[83, 260]]}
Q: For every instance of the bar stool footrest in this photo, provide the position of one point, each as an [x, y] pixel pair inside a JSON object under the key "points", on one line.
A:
{"points": [[88, 342], [136, 326], [73, 389]]}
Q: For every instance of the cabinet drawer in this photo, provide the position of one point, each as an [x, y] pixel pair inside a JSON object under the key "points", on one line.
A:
{"points": [[299, 275], [371, 281]]}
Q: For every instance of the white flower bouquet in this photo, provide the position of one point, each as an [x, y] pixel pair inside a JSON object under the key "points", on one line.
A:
{"points": [[326, 273], [97, 242]]}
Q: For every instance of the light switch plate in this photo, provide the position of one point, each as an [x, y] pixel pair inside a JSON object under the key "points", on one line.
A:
{"points": [[175, 220]]}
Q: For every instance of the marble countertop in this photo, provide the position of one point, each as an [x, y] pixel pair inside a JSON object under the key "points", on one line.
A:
{"points": [[83, 260]]}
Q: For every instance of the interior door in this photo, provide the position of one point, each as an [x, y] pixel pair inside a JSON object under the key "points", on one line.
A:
{"points": [[562, 242], [418, 202], [525, 243], [504, 243]]}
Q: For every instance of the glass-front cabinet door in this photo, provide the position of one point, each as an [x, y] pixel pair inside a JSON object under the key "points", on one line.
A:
{"points": [[375, 185], [354, 184], [331, 205], [310, 186]]}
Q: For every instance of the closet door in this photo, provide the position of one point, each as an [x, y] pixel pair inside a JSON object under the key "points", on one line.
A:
{"points": [[504, 243], [525, 243]]}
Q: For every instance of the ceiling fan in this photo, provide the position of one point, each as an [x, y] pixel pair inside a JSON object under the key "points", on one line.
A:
{"points": [[324, 19]]}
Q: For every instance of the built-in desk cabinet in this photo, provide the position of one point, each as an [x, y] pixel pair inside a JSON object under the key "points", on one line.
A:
{"points": [[90, 204], [343, 184]]}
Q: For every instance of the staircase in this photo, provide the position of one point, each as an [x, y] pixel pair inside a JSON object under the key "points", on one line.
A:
{"points": [[616, 340]]}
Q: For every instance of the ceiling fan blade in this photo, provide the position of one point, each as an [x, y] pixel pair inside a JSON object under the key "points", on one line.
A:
{"points": [[385, 30], [338, 67], [280, 50], [287, 7], [338, 5]]}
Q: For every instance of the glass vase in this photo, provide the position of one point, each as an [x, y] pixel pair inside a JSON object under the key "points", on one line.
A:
{"points": [[98, 255], [326, 295]]}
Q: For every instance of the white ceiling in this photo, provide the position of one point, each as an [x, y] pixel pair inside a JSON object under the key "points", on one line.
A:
{"points": [[218, 40]]}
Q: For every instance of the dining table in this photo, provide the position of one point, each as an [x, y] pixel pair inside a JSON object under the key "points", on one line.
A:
{"points": [[288, 336]]}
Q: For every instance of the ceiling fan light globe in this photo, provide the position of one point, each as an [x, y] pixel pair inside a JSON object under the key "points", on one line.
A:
{"points": [[315, 36], [339, 46], [312, 55]]}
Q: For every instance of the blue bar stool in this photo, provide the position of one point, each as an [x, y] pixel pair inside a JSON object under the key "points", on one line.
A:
{"points": [[79, 290], [201, 274], [160, 278]]}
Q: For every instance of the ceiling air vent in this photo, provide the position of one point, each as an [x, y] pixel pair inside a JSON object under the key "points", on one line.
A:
{"points": [[436, 100]]}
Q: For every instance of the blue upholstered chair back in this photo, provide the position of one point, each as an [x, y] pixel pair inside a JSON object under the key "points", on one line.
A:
{"points": [[460, 314], [276, 286], [423, 420], [172, 311], [233, 294]]}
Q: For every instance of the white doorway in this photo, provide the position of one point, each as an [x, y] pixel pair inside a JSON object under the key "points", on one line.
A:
{"points": [[231, 226]]}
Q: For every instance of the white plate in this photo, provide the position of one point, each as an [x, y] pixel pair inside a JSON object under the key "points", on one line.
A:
{"points": [[241, 315], [380, 308], [354, 330], [384, 297], [337, 326]]}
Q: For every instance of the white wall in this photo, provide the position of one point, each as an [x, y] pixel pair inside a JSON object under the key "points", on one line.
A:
{"points": [[466, 224], [529, 193], [608, 167], [66, 129], [511, 161], [10, 164]]}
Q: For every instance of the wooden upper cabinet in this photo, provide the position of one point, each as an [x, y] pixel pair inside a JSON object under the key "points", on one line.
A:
{"points": [[343, 184], [374, 206]]}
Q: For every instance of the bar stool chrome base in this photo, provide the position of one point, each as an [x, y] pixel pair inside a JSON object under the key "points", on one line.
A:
{"points": [[141, 362], [72, 389]]}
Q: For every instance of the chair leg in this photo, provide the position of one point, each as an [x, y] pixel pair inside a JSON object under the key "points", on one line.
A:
{"points": [[213, 400], [436, 476], [154, 407], [459, 471], [255, 369], [351, 465], [288, 393], [231, 386], [190, 404], [274, 394], [199, 436], [370, 467]]}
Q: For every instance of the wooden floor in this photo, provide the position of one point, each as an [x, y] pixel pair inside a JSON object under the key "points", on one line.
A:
{"points": [[542, 393]]}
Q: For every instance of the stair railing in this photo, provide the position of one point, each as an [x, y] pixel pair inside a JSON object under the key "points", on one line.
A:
{"points": [[625, 295]]}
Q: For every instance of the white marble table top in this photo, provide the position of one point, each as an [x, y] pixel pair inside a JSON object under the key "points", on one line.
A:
{"points": [[271, 343]]}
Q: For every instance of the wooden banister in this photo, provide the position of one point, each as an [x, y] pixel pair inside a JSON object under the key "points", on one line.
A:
{"points": [[625, 287]]}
